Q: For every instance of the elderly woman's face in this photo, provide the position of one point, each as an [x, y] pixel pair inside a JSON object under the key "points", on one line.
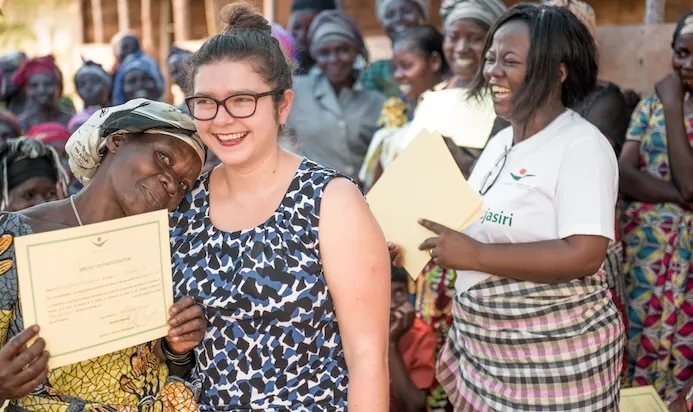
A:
{"points": [[682, 62], [42, 88], [33, 191], [92, 90], [401, 14], [137, 83], [151, 171], [463, 45], [336, 58]]}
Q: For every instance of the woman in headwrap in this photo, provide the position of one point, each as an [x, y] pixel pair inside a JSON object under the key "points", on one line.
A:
{"points": [[9, 127], [333, 116], [30, 174], [394, 16], [302, 14], [42, 82], [656, 176], [13, 97], [138, 76], [94, 85], [135, 158]]}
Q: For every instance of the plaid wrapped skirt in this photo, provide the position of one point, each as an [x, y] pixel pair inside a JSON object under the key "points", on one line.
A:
{"points": [[523, 346]]}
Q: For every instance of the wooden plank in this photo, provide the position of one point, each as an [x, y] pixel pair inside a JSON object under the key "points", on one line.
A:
{"points": [[165, 42], [654, 11], [181, 20], [212, 17], [147, 26], [97, 18], [123, 15]]}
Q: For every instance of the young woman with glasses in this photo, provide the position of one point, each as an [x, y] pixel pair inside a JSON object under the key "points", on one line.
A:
{"points": [[535, 327], [296, 291]]}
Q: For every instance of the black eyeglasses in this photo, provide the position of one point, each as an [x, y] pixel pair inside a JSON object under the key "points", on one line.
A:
{"points": [[238, 106], [495, 171]]}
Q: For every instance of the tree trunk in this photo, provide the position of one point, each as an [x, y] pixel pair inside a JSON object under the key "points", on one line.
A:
{"points": [[123, 15], [654, 11], [97, 17]]}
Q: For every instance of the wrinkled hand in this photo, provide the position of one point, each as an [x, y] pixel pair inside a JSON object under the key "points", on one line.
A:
{"points": [[395, 254], [401, 320], [450, 249], [188, 325], [670, 90], [22, 369]]}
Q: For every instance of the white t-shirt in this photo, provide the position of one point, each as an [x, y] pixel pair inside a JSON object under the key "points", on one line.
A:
{"points": [[562, 181]]}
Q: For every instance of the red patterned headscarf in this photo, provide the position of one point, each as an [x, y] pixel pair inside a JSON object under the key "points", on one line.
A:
{"points": [[50, 132], [45, 64]]}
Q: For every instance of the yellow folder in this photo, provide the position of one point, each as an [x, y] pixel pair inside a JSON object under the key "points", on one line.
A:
{"points": [[422, 182], [642, 399]]}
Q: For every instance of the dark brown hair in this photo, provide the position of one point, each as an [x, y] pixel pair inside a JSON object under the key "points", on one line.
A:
{"points": [[246, 37]]}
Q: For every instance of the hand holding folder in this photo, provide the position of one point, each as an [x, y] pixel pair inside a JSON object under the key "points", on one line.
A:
{"points": [[422, 182]]}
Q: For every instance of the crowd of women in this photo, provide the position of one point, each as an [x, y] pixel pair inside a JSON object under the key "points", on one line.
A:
{"points": [[281, 272]]}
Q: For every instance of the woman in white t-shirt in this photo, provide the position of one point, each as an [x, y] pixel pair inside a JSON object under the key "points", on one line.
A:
{"points": [[535, 327]]}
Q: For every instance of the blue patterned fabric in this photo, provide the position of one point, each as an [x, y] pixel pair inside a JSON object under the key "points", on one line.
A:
{"points": [[273, 342]]}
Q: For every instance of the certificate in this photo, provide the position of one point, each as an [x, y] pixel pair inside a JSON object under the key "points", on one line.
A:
{"points": [[641, 399], [422, 182], [99, 288]]}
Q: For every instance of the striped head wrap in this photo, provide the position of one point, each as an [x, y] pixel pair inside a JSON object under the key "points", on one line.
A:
{"points": [[382, 5], [23, 158], [484, 11]]}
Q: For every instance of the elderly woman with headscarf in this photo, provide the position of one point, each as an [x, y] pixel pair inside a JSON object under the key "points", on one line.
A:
{"points": [[135, 158], [30, 174], [302, 14], [333, 116], [42, 82], [394, 16], [94, 85], [138, 76]]}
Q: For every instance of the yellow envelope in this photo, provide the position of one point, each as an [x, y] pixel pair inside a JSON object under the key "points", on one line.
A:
{"points": [[449, 112], [422, 182], [641, 399]]}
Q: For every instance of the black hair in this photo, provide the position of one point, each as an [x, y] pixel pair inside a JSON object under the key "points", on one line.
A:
{"points": [[318, 5], [617, 108], [399, 275], [556, 37], [680, 25], [247, 37], [424, 38]]}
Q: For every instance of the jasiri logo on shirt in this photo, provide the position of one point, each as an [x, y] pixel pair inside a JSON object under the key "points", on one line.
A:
{"points": [[521, 174], [499, 218]]}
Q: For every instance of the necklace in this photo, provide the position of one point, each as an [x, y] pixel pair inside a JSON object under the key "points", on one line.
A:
{"points": [[74, 209]]}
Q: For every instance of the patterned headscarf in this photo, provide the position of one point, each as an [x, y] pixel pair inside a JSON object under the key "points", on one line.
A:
{"points": [[485, 11], [49, 132], [24, 158], [139, 61], [45, 64], [335, 23], [382, 5], [86, 146], [581, 10], [90, 67]]}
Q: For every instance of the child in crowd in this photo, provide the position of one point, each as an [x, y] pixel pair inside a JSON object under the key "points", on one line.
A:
{"points": [[412, 350]]}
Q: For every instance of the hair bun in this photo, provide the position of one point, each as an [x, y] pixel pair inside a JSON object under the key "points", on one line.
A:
{"points": [[238, 16]]}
